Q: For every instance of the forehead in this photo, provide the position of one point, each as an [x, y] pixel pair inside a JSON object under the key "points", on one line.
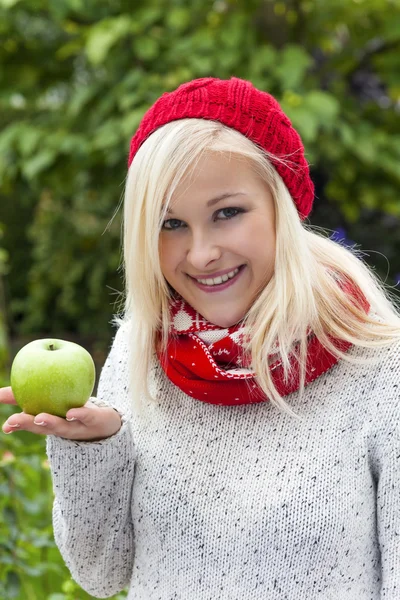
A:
{"points": [[213, 176], [216, 199]]}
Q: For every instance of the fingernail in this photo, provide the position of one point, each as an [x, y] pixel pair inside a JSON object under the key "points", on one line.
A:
{"points": [[9, 425], [71, 419], [40, 423]]}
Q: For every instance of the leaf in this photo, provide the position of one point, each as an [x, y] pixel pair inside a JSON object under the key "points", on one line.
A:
{"points": [[107, 135], [29, 140], [104, 35], [3, 269], [292, 66], [178, 19], [8, 3], [391, 26], [263, 59], [366, 150], [145, 47], [71, 48], [41, 161], [393, 207], [68, 586], [144, 17], [347, 134], [351, 212], [302, 119], [75, 145], [323, 105], [9, 136], [132, 119]]}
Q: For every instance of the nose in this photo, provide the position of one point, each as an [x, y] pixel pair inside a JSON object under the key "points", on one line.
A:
{"points": [[203, 250]]}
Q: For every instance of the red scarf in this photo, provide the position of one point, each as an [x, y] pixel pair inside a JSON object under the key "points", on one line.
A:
{"points": [[207, 362]]}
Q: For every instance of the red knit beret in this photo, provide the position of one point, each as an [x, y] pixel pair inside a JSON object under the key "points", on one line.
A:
{"points": [[237, 104]]}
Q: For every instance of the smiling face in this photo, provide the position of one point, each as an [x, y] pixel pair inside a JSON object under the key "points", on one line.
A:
{"points": [[217, 242]]}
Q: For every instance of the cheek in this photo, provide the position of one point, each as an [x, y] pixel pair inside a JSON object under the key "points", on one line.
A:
{"points": [[169, 256], [259, 246], [261, 251]]}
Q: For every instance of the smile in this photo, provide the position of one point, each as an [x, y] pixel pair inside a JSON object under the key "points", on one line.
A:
{"points": [[219, 283], [219, 280]]}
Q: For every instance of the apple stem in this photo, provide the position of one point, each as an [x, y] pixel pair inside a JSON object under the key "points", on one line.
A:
{"points": [[51, 346]]}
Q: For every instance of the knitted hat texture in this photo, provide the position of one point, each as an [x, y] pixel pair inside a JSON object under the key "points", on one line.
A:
{"points": [[237, 104]]}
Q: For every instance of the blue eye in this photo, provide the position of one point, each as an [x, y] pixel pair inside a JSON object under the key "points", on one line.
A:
{"points": [[172, 224], [224, 214], [229, 212]]}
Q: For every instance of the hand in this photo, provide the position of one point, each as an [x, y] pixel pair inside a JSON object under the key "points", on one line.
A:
{"points": [[89, 423]]}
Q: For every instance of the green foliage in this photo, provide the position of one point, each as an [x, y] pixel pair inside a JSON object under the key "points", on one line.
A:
{"points": [[31, 567], [3, 331], [75, 78]]}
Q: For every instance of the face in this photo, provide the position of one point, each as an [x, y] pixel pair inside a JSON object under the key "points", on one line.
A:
{"points": [[217, 242]]}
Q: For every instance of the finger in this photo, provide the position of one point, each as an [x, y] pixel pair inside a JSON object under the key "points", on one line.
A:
{"points": [[6, 396], [47, 424], [85, 415], [22, 422], [44, 424], [88, 429], [75, 414]]}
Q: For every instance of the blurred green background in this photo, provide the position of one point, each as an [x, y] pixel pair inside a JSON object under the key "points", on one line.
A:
{"points": [[75, 78]]}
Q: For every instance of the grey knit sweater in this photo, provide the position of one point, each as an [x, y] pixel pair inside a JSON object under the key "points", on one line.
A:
{"points": [[192, 501]]}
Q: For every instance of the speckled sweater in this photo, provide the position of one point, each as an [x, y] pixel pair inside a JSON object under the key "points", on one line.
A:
{"points": [[193, 501]]}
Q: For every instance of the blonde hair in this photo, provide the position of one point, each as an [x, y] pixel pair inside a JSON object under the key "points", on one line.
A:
{"points": [[303, 294]]}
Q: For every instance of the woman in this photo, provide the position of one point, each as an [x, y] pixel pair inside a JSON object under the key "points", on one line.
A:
{"points": [[245, 442]]}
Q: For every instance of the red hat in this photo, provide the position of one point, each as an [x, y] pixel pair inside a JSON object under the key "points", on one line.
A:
{"points": [[237, 104]]}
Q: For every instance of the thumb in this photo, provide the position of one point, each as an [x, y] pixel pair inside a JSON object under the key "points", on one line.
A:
{"points": [[85, 414]]}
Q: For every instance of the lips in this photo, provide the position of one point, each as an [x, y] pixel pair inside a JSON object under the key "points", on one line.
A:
{"points": [[216, 274], [219, 286], [217, 280]]}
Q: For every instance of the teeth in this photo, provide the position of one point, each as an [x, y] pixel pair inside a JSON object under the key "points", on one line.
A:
{"points": [[219, 280]]}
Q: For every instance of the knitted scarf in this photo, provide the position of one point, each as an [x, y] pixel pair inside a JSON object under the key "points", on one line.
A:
{"points": [[207, 362]]}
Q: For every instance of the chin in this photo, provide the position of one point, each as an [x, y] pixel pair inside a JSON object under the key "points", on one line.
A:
{"points": [[224, 321]]}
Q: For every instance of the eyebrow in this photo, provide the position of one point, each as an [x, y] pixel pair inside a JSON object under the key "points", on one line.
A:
{"points": [[217, 199]]}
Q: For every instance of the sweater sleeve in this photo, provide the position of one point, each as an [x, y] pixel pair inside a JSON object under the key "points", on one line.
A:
{"points": [[92, 484], [386, 467]]}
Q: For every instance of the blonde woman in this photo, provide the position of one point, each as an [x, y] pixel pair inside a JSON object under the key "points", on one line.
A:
{"points": [[245, 442]]}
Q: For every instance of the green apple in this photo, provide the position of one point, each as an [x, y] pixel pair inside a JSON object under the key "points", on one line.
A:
{"points": [[52, 376]]}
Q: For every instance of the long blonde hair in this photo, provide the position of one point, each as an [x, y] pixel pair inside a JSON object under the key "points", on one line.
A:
{"points": [[303, 293]]}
